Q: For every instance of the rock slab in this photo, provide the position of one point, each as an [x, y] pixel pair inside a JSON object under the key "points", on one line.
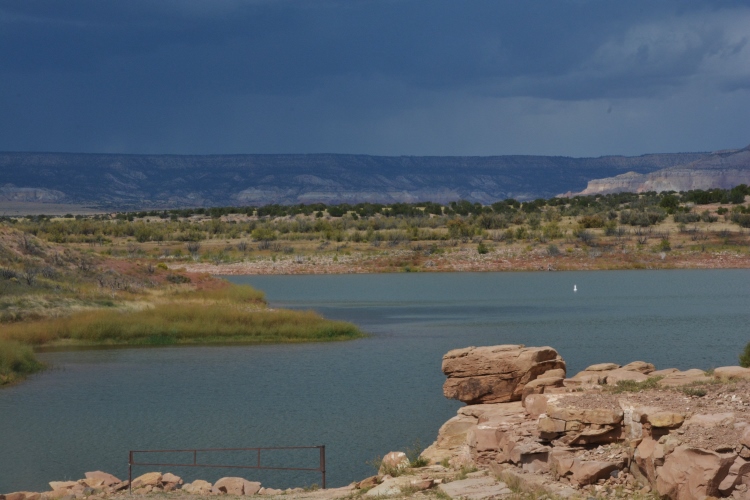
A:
{"points": [[475, 488], [495, 374]]}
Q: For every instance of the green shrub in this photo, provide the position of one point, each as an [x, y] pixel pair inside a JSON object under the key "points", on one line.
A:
{"points": [[591, 221], [263, 234], [16, 361], [665, 245], [183, 322], [178, 279], [414, 454], [745, 357], [482, 248], [694, 391], [633, 386], [686, 217]]}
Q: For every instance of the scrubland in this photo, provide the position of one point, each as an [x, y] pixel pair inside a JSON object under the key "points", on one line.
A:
{"points": [[147, 277]]}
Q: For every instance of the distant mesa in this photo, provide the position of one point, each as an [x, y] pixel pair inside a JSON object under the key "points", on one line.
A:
{"points": [[721, 169], [9, 192], [129, 182]]}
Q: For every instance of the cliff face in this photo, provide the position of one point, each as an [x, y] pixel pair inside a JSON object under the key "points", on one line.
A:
{"points": [[166, 181], [723, 169], [12, 193]]}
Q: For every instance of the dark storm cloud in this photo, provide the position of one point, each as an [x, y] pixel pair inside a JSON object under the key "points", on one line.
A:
{"points": [[345, 76]]}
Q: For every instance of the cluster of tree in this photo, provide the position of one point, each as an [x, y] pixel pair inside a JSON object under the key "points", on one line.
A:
{"points": [[363, 221]]}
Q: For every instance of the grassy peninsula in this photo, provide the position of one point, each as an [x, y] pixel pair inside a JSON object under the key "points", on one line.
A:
{"points": [[54, 294]]}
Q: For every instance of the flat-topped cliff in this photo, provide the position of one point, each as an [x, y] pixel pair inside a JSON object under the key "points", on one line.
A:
{"points": [[171, 181], [722, 169]]}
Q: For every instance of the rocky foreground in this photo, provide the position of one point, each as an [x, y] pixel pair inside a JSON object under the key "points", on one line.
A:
{"points": [[529, 431]]}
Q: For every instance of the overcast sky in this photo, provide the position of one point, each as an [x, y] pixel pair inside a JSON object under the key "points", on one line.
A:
{"points": [[385, 77]]}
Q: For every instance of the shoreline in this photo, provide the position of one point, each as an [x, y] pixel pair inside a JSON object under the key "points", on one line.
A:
{"points": [[609, 432], [466, 261]]}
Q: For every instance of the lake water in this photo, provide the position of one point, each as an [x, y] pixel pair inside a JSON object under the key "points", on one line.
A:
{"points": [[361, 398]]}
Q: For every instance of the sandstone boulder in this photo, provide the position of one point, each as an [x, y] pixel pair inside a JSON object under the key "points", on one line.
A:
{"points": [[475, 488], [394, 461], [712, 419], [368, 483], [664, 372], [561, 461], [640, 366], [556, 373], [535, 405], [171, 478], [586, 378], [576, 426], [540, 386], [395, 485], [601, 416], [738, 472], [147, 479], [667, 419], [590, 471], [691, 473], [462, 458], [62, 485], [732, 372], [198, 487], [106, 479], [235, 486], [647, 457], [602, 367], [495, 374], [270, 491], [685, 378], [16, 495]]}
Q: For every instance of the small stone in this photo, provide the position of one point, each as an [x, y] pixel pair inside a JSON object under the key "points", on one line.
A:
{"points": [[171, 478], [105, 478], [601, 367], [394, 461], [62, 485]]}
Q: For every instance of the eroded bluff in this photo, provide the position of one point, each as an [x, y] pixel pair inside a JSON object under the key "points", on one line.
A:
{"points": [[630, 429]]}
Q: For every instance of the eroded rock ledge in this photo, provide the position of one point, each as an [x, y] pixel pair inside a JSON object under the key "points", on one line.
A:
{"points": [[610, 428]]}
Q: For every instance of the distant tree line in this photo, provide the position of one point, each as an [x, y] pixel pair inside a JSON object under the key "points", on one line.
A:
{"points": [[388, 222]]}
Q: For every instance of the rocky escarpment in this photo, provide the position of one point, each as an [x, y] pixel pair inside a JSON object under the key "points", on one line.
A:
{"points": [[499, 374], [13, 193], [611, 430], [723, 169]]}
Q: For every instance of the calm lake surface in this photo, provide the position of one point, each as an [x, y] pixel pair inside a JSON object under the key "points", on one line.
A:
{"points": [[361, 398]]}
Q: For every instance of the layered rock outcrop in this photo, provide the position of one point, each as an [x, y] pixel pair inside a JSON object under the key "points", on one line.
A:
{"points": [[722, 169], [681, 434], [499, 374]]}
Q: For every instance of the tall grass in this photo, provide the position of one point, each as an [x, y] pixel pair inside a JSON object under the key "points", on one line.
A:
{"points": [[229, 293], [178, 322], [16, 361]]}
